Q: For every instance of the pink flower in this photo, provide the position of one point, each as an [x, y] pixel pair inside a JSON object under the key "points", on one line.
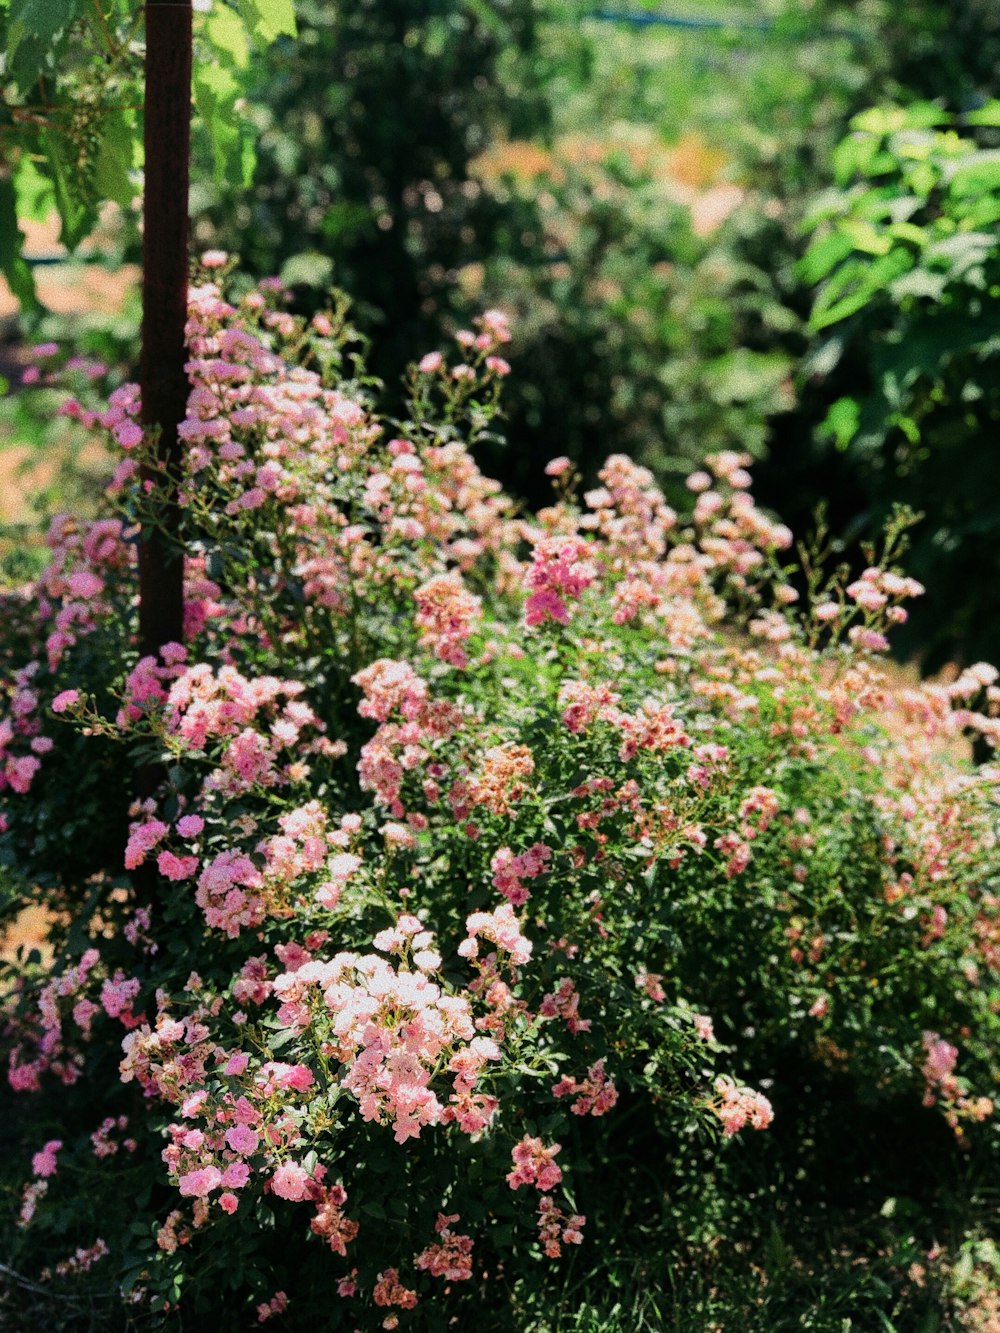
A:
{"points": [[200, 1183], [235, 1176], [117, 994], [738, 1105], [192, 1105], [176, 867], [128, 434], [64, 700], [189, 826], [142, 839], [545, 605], [290, 1181], [533, 1165], [561, 568], [228, 1202], [44, 1163], [242, 1139]]}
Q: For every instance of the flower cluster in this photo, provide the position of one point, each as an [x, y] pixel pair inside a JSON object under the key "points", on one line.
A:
{"points": [[475, 829]]}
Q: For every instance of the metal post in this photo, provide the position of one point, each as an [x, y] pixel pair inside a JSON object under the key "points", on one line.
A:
{"points": [[167, 138]]}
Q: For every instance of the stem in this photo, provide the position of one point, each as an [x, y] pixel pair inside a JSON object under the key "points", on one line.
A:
{"points": [[167, 138]]}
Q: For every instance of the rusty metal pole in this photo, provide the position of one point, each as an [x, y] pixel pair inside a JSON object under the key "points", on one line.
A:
{"points": [[167, 139]]}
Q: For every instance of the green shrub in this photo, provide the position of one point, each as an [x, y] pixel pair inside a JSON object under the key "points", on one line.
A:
{"points": [[484, 858]]}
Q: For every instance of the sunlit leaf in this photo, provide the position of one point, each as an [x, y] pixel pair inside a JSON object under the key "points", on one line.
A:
{"points": [[269, 19]]}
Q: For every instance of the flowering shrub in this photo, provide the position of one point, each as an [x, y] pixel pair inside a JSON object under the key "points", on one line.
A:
{"points": [[473, 841]]}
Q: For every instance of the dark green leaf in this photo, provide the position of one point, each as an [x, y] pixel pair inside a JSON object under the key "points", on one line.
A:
{"points": [[12, 263], [35, 34]]}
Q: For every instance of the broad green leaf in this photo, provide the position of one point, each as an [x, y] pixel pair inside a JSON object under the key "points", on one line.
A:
{"points": [[269, 19], [822, 257], [986, 115], [861, 155], [958, 255], [36, 29], [35, 199], [13, 265], [880, 120], [227, 32], [908, 231], [914, 145], [979, 173], [864, 237], [919, 282], [982, 212], [922, 177], [216, 91], [116, 158], [892, 119]]}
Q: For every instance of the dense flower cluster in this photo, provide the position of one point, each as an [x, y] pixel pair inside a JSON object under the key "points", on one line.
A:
{"points": [[460, 817]]}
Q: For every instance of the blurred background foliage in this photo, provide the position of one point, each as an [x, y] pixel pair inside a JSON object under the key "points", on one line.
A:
{"points": [[668, 200]]}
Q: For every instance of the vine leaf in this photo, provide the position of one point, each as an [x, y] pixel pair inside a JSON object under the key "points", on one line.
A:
{"points": [[36, 29], [116, 158], [269, 19], [216, 91]]}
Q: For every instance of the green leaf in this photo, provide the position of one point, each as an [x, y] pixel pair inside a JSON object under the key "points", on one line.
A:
{"points": [[838, 301], [919, 283], [866, 238], [116, 157], [227, 32], [860, 155], [978, 173], [908, 231], [35, 34], [842, 421], [986, 115], [822, 257], [35, 198], [892, 119], [13, 265], [269, 19], [216, 91]]}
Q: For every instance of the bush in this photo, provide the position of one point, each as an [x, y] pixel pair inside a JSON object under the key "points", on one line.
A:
{"points": [[906, 264], [490, 867]]}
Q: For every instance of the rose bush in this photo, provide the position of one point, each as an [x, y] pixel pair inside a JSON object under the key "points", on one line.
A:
{"points": [[487, 864]]}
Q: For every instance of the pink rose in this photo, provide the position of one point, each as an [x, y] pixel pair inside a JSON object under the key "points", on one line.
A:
{"points": [[290, 1181]]}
